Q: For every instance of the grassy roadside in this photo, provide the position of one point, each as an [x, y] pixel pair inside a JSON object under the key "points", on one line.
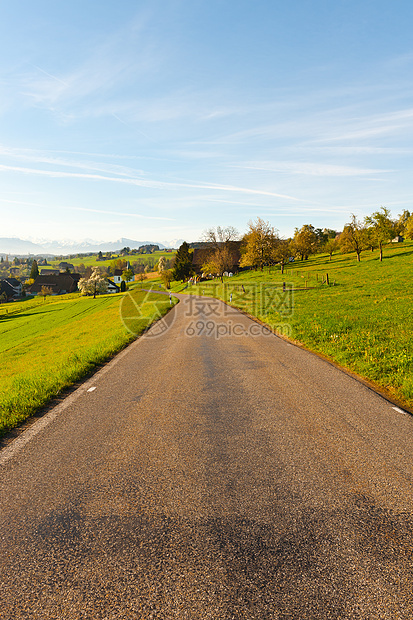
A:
{"points": [[46, 347], [364, 322]]}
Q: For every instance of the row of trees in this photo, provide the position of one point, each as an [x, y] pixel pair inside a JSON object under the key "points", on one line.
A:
{"points": [[262, 246]]}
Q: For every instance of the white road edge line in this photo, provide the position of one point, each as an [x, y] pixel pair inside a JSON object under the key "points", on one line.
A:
{"points": [[399, 410], [18, 444]]}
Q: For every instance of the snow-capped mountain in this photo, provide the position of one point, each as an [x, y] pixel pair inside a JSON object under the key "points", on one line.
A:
{"points": [[16, 246]]}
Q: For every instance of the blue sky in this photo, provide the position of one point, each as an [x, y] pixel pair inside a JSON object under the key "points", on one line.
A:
{"points": [[156, 120]]}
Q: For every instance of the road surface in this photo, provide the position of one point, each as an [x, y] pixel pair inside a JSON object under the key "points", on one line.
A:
{"points": [[210, 471]]}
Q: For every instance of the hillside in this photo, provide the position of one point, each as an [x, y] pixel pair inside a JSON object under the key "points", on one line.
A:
{"points": [[363, 320], [46, 347]]}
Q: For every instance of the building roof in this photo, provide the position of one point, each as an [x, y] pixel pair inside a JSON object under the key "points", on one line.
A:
{"points": [[13, 281], [65, 265], [58, 283], [112, 284], [6, 288]]}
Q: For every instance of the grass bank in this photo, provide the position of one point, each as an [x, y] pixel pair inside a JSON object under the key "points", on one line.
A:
{"points": [[364, 322], [46, 347]]}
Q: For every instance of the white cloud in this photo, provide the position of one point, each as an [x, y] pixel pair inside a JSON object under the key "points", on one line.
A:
{"points": [[143, 182], [312, 169]]}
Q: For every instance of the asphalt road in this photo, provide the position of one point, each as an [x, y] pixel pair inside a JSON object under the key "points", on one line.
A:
{"points": [[203, 475]]}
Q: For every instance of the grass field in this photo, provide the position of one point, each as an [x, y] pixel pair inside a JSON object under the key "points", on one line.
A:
{"points": [[91, 261], [364, 322], [46, 347]]}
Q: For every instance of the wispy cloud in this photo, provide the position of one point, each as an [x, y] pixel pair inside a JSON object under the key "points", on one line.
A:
{"points": [[312, 169], [127, 55], [144, 182]]}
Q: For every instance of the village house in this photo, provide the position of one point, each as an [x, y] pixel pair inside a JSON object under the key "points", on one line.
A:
{"points": [[66, 266], [58, 284], [11, 288], [117, 276], [112, 287]]}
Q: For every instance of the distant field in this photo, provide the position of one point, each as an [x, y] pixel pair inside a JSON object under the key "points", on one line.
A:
{"points": [[91, 261], [364, 322], [46, 347]]}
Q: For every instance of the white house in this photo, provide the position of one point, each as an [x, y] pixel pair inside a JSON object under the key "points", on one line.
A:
{"points": [[117, 277], [112, 287]]}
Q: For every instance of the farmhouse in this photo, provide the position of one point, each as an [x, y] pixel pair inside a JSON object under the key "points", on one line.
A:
{"points": [[112, 287], [66, 266], [117, 276], [12, 287], [59, 284]]}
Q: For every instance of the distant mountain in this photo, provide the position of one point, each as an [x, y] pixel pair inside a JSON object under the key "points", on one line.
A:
{"points": [[21, 247], [174, 243], [12, 245]]}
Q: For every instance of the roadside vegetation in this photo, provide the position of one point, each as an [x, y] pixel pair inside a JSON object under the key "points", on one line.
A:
{"points": [[362, 319], [49, 345]]}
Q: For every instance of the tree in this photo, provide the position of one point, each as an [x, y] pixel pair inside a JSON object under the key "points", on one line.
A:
{"points": [[127, 275], [183, 263], [305, 241], [331, 246], [402, 222], [219, 261], [123, 286], [95, 285], [34, 270], [166, 277], [282, 253], [223, 251], [408, 228], [354, 237], [161, 264], [260, 244], [45, 291], [219, 236], [382, 227], [119, 263]]}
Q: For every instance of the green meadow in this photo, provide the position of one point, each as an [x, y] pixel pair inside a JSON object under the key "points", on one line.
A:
{"points": [[47, 346], [362, 320], [92, 261]]}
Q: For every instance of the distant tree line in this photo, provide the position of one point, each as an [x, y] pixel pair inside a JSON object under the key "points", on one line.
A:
{"points": [[261, 246]]}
